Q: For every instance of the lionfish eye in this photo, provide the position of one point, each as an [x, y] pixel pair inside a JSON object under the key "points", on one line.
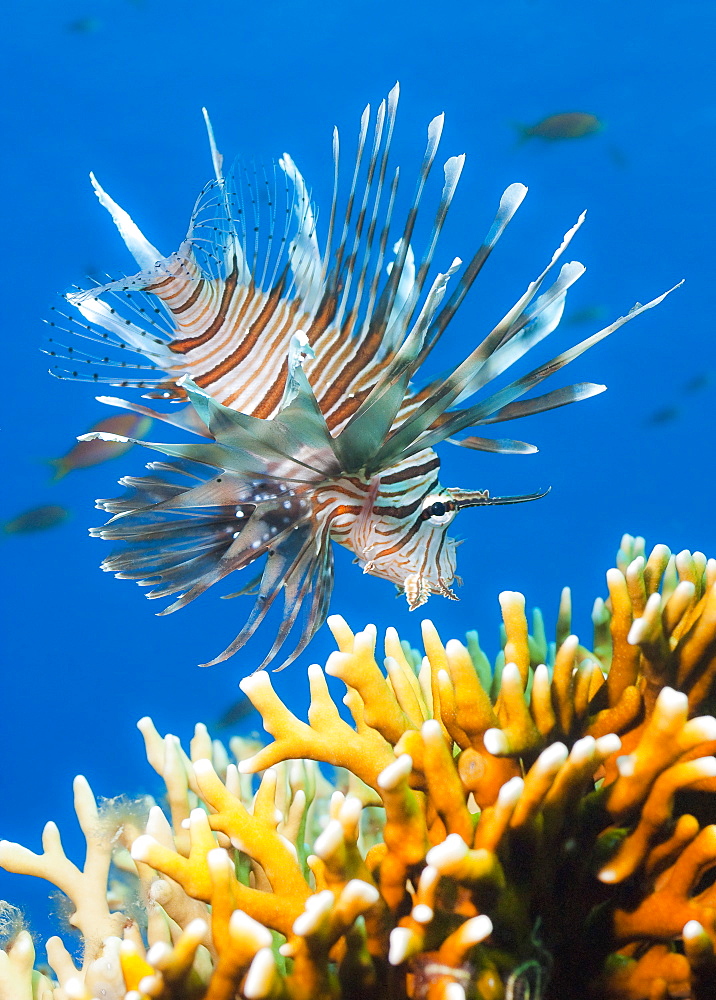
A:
{"points": [[437, 510]]}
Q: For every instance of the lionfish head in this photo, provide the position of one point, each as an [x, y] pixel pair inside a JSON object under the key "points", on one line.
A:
{"points": [[420, 557]]}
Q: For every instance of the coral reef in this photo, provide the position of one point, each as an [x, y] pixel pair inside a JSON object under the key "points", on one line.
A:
{"points": [[542, 827]]}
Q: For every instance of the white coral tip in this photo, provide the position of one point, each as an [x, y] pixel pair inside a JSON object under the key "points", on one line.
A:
{"points": [[552, 758], [360, 892], [453, 647], [422, 913], [203, 767], [704, 727], [707, 766], [510, 675], [454, 991], [638, 632], [350, 811], [671, 702], [259, 978], [510, 792], [316, 908], [476, 929], [607, 875], [401, 939], [197, 929], [496, 742], [626, 765], [151, 986], [241, 925], [158, 954], [608, 744], [74, 988], [329, 841], [452, 850], [255, 682], [583, 749], [431, 730], [142, 847], [391, 776]]}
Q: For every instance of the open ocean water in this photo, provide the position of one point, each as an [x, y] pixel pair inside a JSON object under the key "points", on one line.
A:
{"points": [[116, 87]]}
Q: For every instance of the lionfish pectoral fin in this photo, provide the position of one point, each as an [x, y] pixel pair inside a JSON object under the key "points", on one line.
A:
{"points": [[416, 425], [211, 453], [504, 446], [549, 401], [366, 432], [298, 434], [184, 418], [249, 543], [319, 579], [279, 566], [499, 401], [305, 565]]}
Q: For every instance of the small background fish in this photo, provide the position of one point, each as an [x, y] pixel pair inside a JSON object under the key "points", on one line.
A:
{"points": [[587, 314], [36, 519], [84, 25], [565, 125], [673, 411], [236, 713], [85, 454]]}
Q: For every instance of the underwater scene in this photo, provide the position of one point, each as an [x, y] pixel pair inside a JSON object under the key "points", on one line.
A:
{"points": [[422, 704]]}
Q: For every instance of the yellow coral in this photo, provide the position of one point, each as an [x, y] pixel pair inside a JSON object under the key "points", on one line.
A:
{"points": [[536, 837]]}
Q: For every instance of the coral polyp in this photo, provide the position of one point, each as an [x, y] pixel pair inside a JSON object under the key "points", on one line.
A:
{"points": [[542, 826]]}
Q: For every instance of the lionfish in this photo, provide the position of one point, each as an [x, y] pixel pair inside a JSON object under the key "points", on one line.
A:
{"points": [[297, 362]]}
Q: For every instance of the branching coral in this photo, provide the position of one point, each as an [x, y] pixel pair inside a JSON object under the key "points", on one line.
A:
{"points": [[544, 826]]}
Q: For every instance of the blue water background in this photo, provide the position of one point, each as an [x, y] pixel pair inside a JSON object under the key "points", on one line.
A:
{"points": [[116, 87]]}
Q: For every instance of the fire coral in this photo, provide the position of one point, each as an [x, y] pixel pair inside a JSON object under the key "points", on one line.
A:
{"points": [[542, 827]]}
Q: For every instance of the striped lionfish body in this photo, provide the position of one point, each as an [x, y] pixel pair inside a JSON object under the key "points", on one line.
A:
{"points": [[294, 364]]}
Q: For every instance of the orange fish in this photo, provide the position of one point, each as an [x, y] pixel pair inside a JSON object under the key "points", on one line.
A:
{"points": [[566, 125], [85, 454]]}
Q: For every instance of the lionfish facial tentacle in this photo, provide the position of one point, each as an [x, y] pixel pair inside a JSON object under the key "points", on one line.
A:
{"points": [[417, 591], [446, 591], [482, 498]]}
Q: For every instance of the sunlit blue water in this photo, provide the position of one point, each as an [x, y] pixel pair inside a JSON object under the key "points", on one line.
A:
{"points": [[116, 87]]}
